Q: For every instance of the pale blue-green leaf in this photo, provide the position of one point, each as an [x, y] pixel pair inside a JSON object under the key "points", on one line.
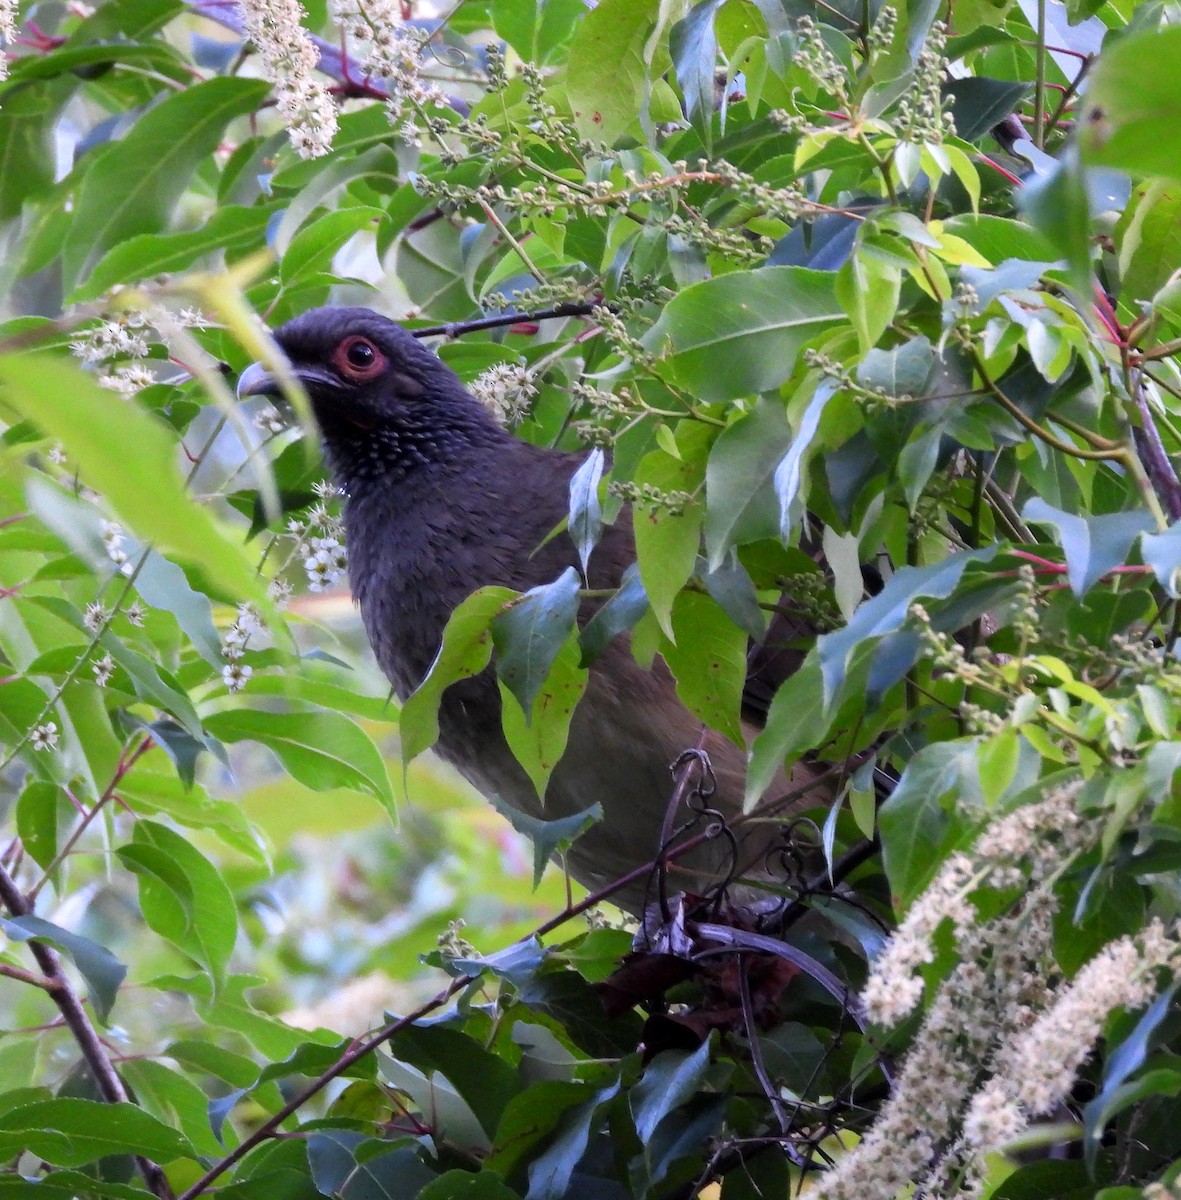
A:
{"points": [[620, 613], [529, 633], [1162, 552], [672, 1078], [1092, 545], [789, 474], [886, 611], [102, 971], [586, 509], [548, 837], [694, 47]]}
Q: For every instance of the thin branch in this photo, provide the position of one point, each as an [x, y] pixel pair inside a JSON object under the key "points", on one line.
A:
{"points": [[73, 1012], [1152, 451], [458, 328]]}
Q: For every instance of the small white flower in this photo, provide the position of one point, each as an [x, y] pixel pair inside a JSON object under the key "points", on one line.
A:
{"points": [[103, 670], [325, 567], [44, 737], [279, 591], [57, 456], [236, 676], [95, 616], [269, 419], [135, 614]]}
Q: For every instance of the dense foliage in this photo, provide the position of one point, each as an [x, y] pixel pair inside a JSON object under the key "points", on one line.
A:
{"points": [[875, 310]]}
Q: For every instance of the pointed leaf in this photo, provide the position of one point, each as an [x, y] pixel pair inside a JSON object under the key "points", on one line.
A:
{"points": [[528, 634], [753, 322], [102, 971]]}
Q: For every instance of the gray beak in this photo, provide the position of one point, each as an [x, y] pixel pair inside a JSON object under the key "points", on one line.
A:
{"points": [[256, 380]]}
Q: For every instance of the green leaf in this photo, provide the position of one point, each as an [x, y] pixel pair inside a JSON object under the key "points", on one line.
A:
{"points": [[36, 819], [868, 290], [183, 896], [708, 661], [1134, 104], [133, 188], [607, 68], [915, 826], [753, 322], [620, 613], [466, 1185], [96, 428], [102, 971], [671, 1079], [1092, 545], [529, 633], [73, 1133], [536, 28], [466, 651], [313, 247], [537, 736], [322, 750], [162, 584], [667, 544], [486, 1081], [742, 506], [149, 254]]}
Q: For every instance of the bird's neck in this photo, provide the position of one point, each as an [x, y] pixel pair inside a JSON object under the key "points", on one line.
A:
{"points": [[389, 453]]}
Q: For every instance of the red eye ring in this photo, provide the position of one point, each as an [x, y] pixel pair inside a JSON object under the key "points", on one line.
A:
{"points": [[356, 357]]}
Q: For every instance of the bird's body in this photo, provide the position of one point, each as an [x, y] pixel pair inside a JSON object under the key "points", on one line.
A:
{"points": [[442, 500]]}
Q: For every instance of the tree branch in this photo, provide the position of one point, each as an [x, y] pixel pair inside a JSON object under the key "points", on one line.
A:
{"points": [[73, 1012], [458, 328]]}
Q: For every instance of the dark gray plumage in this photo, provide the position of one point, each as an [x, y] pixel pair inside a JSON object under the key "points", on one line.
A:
{"points": [[442, 500]]}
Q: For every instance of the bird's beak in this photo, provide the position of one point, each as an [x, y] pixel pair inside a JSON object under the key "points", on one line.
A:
{"points": [[256, 380]]}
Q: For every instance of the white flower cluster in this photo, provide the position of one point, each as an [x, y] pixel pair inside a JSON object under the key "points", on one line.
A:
{"points": [[1022, 847], [1005, 1035], [1036, 1069], [126, 337], [319, 540], [236, 674], [269, 419], [390, 49], [894, 986], [103, 670], [506, 390], [7, 31], [289, 58]]}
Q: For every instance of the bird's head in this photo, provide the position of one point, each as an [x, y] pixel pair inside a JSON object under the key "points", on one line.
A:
{"points": [[386, 404]]}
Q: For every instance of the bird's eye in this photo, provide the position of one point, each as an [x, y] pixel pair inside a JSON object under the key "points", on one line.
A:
{"points": [[358, 358]]}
